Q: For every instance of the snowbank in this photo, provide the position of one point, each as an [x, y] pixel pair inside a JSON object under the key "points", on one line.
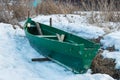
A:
{"points": [[112, 39], [89, 77]]}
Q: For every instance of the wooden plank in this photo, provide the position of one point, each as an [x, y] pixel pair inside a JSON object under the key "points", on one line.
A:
{"points": [[51, 22], [39, 28], [47, 36], [60, 37], [41, 59]]}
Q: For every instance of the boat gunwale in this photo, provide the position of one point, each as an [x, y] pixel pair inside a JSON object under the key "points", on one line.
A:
{"points": [[70, 34], [77, 45]]}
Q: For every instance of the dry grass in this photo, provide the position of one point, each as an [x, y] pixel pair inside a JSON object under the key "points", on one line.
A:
{"points": [[109, 9], [51, 7], [105, 66], [13, 12]]}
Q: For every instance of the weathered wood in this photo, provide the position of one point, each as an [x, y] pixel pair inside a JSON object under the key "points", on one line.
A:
{"points": [[39, 28], [41, 59], [47, 36], [60, 37], [50, 21]]}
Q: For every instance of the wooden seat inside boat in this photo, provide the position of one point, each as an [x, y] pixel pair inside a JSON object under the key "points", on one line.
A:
{"points": [[57, 36], [47, 36]]}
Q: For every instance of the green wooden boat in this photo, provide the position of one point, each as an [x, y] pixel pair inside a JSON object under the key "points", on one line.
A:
{"points": [[71, 51]]}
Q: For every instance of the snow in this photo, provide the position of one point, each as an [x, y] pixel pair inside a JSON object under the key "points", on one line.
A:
{"points": [[112, 39], [89, 77], [16, 52], [114, 55]]}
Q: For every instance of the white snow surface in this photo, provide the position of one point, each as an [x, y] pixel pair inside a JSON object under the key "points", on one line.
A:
{"points": [[112, 39], [89, 77], [16, 52]]}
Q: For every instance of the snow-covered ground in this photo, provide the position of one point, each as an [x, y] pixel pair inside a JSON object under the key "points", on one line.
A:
{"points": [[16, 52], [112, 39], [89, 77]]}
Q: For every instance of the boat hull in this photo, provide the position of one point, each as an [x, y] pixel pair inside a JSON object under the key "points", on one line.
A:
{"points": [[74, 56]]}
